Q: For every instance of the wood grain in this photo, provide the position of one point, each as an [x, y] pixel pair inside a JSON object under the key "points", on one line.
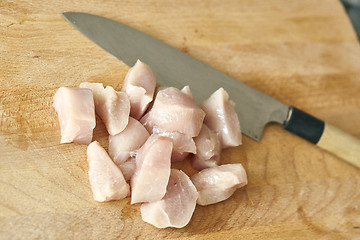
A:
{"points": [[304, 53]]}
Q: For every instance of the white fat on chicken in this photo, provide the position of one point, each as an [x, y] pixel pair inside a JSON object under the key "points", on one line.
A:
{"points": [[187, 91], [174, 111], [139, 84], [177, 206], [152, 171], [208, 149], [127, 141], [182, 144], [222, 118], [106, 179], [76, 113], [218, 183], [113, 107]]}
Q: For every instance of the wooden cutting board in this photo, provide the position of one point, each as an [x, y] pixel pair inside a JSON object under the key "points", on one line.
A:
{"points": [[304, 53]]}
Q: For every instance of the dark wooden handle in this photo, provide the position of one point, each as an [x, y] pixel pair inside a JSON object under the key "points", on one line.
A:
{"points": [[324, 135]]}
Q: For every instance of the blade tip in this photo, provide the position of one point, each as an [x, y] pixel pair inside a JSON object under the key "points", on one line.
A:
{"points": [[70, 15], [66, 15]]}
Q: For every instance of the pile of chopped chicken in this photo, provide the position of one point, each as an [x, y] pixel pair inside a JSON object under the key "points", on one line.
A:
{"points": [[149, 128]]}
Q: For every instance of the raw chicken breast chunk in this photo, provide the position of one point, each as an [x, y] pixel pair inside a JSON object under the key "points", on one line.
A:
{"points": [[106, 180], [76, 112], [139, 84], [208, 149], [222, 118], [145, 119], [218, 183], [128, 168], [127, 141], [182, 144], [112, 107], [174, 111], [152, 171], [147, 123], [177, 206]]}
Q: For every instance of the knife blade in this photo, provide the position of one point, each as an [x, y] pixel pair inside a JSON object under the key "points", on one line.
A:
{"points": [[172, 67]]}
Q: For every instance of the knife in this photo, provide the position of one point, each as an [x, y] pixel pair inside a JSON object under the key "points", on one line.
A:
{"points": [[172, 67]]}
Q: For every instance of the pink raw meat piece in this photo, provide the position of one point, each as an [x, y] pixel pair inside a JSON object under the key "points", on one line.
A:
{"points": [[218, 183], [174, 111], [139, 84], [106, 179], [182, 144], [112, 107], [128, 168], [152, 171], [208, 149], [177, 206], [127, 141], [222, 118], [147, 123], [145, 119], [76, 112]]}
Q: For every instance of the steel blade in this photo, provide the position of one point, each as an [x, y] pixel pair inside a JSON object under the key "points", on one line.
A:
{"points": [[175, 68]]}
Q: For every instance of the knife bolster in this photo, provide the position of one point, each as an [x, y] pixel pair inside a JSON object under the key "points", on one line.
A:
{"points": [[304, 125]]}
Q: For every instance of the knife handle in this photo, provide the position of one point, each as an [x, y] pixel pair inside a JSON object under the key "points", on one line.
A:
{"points": [[324, 135]]}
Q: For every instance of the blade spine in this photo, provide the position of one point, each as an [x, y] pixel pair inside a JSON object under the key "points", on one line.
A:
{"points": [[232, 81]]}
